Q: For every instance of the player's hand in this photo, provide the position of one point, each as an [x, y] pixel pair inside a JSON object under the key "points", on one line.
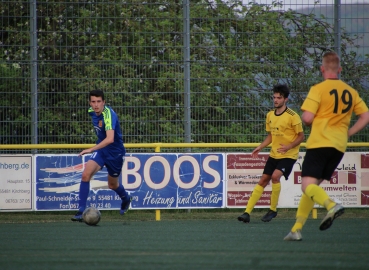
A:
{"points": [[283, 149], [86, 151], [255, 152]]}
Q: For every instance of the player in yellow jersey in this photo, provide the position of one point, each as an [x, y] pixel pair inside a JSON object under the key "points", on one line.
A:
{"points": [[327, 108], [285, 135]]}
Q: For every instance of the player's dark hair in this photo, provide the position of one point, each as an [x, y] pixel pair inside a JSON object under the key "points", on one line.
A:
{"points": [[97, 93], [282, 89]]}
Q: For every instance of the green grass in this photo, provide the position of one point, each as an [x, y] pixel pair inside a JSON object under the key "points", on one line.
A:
{"points": [[199, 239]]}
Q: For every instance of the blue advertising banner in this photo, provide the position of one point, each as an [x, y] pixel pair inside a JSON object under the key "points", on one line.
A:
{"points": [[57, 184], [175, 180], [154, 180]]}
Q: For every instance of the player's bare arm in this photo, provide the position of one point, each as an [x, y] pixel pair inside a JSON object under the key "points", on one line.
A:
{"points": [[284, 148], [307, 118], [361, 123], [265, 143], [108, 140]]}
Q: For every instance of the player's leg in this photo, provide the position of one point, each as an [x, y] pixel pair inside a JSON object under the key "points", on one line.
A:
{"points": [[113, 183], [257, 192], [333, 157], [255, 196], [114, 168], [330, 158], [258, 189], [276, 190], [310, 186], [310, 166], [319, 196], [313, 167], [283, 168], [91, 167], [318, 164], [305, 206]]}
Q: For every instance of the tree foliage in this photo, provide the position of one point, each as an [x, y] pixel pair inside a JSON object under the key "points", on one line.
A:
{"points": [[134, 52]]}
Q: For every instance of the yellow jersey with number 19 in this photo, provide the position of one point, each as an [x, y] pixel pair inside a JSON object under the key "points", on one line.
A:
{"points": [[333, 102]]}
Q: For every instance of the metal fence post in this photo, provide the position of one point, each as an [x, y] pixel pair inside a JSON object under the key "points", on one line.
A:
{"points": [[186, 60], [337, 27], [34, 67]]}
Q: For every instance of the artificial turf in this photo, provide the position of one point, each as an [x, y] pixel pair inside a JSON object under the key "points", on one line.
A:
{"points": [[179, 243]]}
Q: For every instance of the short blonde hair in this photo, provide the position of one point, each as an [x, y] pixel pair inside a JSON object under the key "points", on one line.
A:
{"points": [[331, 61]]}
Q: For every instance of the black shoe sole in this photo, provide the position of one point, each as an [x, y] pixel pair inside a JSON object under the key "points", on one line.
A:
{"points": [[76, 220], [267, 219], [328, 223], [243, 220]]}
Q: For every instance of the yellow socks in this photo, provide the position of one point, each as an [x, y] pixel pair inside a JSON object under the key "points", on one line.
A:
{"points": [[276, 190], [305, 206], [318, 195], [255, 196]]}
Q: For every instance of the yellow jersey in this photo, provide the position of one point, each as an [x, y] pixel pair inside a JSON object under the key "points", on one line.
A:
{"points": [[333, 102], [284, 129]]}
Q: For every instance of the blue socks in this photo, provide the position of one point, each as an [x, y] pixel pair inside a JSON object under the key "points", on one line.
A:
{"points": [[121, 192], [84, 190]]}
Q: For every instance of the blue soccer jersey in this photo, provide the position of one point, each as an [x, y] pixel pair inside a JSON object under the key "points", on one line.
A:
{"points": [[108, 120]]}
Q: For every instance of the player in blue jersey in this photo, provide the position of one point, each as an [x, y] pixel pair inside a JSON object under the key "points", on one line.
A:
{"points": [[108, 151]]}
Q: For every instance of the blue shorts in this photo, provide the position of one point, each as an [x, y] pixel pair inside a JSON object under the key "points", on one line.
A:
{"points": [[113, 164]]}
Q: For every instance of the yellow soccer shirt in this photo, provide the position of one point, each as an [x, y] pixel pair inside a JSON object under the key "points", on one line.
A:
{"points": [[284, 129], [333, 102]]}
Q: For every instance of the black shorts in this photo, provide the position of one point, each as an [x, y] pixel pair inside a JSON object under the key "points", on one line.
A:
{"points": [[321, 163], [285, 165]]}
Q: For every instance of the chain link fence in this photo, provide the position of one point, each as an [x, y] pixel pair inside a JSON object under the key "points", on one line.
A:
{"points": [[174, 71]]}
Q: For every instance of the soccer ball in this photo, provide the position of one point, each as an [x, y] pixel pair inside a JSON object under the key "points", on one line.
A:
{"points": [[91, 216]]}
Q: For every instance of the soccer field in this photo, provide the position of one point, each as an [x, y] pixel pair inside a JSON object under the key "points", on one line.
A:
{"points": [[221, 243]]}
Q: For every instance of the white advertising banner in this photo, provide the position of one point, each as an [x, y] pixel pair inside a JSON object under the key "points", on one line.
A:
{"points": [[348, 185], [16, 182]]}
